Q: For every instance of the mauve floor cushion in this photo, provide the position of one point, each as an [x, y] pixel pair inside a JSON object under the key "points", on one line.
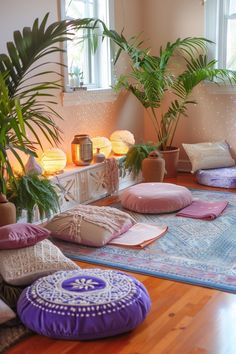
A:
{"points": [[218, 177], [155, 198], [84, 304]]}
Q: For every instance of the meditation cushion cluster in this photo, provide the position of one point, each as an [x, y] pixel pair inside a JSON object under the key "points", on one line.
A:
{"points": [[84, 304], [25, 255], [155, 198], [213, 164]]}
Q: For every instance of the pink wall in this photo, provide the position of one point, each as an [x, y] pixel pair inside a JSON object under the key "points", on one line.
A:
{"points": [[94, 119], [214, 117], [161, 21]]}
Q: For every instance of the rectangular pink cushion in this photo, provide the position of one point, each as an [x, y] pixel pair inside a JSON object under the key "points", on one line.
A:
{"points": [[21, 235]]}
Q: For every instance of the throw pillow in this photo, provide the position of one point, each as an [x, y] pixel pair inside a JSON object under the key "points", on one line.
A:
{"points": [[21, 235], [25, 265], [90, 225], [209, 155], [6, 314]]}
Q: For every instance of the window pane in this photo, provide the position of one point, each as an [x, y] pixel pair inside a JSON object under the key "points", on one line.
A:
{"points": [[232, 7], [74, 8], [231, 45], [93, 69], [80, 60], [79, 8]]}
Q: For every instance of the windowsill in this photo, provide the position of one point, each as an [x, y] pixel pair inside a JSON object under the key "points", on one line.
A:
{"points": [[220, 88], [88, 96]]}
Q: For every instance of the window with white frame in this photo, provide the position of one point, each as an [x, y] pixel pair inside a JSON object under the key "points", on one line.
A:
{"points": [[84, 66], [220, 27]]}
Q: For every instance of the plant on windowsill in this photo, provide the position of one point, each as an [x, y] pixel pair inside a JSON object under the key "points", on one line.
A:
{"points": [[155, 79], [26, 106]]}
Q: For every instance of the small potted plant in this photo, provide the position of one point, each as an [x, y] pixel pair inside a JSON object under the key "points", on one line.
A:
{"points": [[132, 162], [31, 191]]}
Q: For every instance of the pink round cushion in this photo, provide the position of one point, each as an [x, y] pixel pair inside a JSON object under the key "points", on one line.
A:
{"points": [[155, 198]]}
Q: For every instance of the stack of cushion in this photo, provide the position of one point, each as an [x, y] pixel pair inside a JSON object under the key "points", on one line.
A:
{"points": [[213, 164], [25, 255], [61, 300]]}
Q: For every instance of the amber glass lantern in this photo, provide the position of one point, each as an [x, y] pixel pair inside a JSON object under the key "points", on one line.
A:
{"points": [[82, 150]]}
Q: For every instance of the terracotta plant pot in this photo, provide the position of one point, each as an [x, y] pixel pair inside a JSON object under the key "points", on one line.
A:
{"points": [[7, 211], [171, 157], [153, 167]]}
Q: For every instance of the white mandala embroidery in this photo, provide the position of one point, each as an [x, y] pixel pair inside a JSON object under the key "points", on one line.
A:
{"points": [[84, 284], [113, 292]]}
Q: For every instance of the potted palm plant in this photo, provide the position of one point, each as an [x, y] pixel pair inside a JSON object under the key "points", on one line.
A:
{"points": [[26, 106], [153, 78]]}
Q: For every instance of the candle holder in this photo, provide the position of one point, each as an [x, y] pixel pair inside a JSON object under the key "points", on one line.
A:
{"points": [[82, 150]]}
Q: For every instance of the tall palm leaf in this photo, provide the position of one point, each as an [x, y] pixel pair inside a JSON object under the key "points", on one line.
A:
{"points": [[151, 78], [26, 104], [198, 70], [12, 132]]}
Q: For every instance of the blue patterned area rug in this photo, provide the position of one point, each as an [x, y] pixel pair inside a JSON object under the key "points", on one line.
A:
{"points": [[192, 251]]}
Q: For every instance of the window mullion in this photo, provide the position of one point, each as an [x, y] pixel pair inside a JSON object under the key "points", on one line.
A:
{"points": [[97, 53], [222, 32]]}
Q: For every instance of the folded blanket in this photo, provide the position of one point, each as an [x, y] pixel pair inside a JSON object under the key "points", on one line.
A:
{"points": [[200, 209]]}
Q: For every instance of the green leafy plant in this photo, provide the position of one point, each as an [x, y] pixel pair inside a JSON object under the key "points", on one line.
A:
{"points": [[31, 191], [152, 78], [132, 162], [26, 105], [12, 132], [157, 79]]}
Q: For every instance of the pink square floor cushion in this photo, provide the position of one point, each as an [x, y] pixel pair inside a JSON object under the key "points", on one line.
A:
{"points": [[155, 198]]}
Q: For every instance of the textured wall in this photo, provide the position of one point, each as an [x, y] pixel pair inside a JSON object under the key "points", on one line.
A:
{"points": [[94, 119], [214, 117]]}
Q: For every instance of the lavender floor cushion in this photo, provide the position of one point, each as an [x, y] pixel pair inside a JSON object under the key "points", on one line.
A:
{"points": [[155, 198], [218, 177], [84, 304]]}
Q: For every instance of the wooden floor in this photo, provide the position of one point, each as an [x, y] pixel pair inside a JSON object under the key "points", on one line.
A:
{"points": [[184, 319]]}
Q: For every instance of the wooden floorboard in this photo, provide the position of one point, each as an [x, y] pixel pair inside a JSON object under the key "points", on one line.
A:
{"points": [[184, 319]]}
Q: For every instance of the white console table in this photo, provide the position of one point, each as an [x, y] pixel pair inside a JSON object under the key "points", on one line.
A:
{"points": [[81, 184]]}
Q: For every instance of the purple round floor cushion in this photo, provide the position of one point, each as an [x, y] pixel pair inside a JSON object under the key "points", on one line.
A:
{"points": [[155, 198], [218, 177], [84, 304]]}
